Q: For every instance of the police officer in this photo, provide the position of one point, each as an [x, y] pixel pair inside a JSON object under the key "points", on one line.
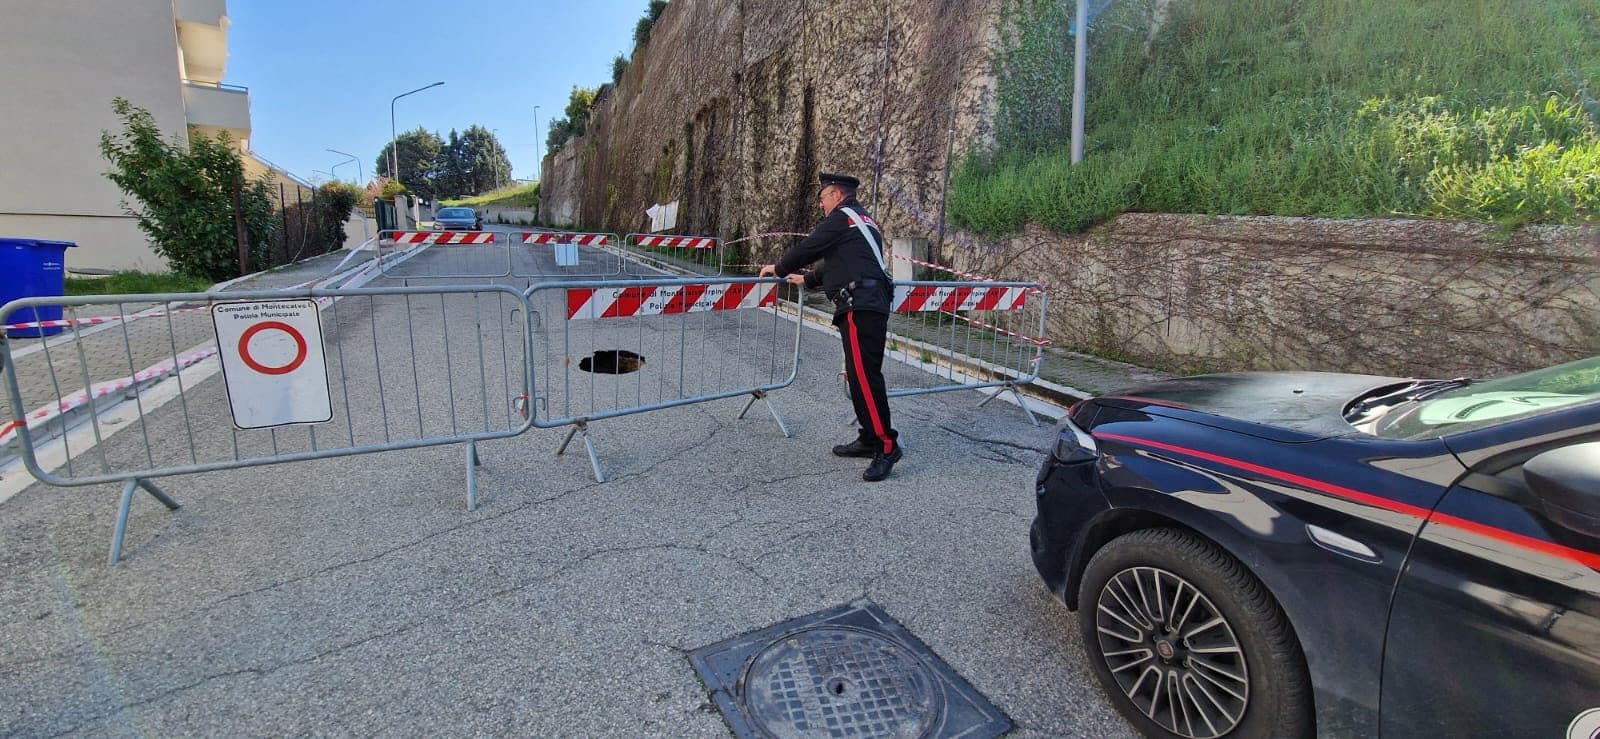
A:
{"points": [[852, 275]]}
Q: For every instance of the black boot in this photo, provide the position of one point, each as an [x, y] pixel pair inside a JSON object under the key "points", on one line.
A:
{"points": [[881, 465], [857, 448]]}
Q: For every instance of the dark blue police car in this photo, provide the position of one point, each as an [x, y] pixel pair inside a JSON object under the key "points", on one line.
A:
{"points": [[1289, 554]]}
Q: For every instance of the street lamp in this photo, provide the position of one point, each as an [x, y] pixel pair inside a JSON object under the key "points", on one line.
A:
{"points": [[538, 140], [494, 136], [1080, 49], [394, 146], [362, 178]]}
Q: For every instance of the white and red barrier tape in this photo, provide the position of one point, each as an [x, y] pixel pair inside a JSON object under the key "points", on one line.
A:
{"points": [[916, 298], [148, 313], [677, 242], [566, 238], [623, 302], [99, 390], [444, 237]]}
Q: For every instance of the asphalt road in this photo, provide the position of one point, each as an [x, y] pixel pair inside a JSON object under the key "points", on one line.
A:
{"points": [[357, 595]]}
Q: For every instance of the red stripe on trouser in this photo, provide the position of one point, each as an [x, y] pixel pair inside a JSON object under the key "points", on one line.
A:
{"points": [[866, 389]]}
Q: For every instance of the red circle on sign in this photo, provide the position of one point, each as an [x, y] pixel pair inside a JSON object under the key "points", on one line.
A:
{"points": [[299, 348]]}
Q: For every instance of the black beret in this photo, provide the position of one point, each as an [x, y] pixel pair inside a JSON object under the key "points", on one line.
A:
{"points": [[829, 178]]}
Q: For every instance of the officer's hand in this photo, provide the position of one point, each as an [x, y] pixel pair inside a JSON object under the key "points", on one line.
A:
{"points": [[768, 270], [796, 279]]}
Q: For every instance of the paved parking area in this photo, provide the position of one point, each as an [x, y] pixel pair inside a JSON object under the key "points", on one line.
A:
{"points": [[358, 595]]}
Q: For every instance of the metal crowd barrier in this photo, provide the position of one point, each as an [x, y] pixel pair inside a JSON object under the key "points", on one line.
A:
{"points": [[306, 374], [967, 336], [567, 254], [444, 254], [650, 254], [609, 348]]}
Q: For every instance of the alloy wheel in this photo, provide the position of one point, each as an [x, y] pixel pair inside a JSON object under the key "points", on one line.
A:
{"points": [[1172, 652]]}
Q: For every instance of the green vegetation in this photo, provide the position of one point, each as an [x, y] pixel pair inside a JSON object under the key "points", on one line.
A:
{"points": [[467, 163], [641, 30], [130, 283], [575, 123], [1470, 109], [519, 196], [194, 201]]}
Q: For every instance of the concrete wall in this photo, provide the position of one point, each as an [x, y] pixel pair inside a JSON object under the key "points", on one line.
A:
{"points": [[1399, 297], [64, 61], [735, 105]]}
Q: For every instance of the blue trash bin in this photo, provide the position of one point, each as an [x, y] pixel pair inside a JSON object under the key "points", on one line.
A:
{"points": [[33, 268]]}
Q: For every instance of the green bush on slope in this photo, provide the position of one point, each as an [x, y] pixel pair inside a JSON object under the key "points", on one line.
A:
{"points": [[1450, 108]]}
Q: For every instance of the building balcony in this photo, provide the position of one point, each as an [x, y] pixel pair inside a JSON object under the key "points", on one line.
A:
{"points": [[203, 12], [202, 38], [213, 107]]}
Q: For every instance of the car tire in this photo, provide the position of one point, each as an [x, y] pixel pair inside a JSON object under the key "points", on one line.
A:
{"points": [[1135, 588]]}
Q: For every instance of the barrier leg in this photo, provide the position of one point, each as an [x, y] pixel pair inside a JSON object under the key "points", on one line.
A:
{"points": [[472, 475], [588, 444], [122, 513], [1020, 402], [762, 396]]}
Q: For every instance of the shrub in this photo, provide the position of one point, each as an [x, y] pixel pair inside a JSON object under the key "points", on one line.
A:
{"points": [[618, 66], [193, 201]]}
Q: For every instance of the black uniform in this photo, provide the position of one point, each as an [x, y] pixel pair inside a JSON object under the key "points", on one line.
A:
{"points": [[853, 279]]}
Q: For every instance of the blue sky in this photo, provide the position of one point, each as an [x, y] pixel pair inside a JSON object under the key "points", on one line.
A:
{"points": [[321, 73]]}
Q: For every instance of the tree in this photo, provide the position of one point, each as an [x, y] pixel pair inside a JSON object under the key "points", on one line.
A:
{"points": [[577, 120], [451, 181], [419, 161], [196, 205], [485, 160], [336, 200]]}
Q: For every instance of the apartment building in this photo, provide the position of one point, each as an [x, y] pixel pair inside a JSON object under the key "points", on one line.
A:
{"points": [[61, 63]]}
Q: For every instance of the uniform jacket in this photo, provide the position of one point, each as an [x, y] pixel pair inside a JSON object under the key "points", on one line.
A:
{"points": [[846, 258]]}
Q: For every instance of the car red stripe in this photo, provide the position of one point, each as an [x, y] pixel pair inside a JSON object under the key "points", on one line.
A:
{"points": [[1579, 556]]}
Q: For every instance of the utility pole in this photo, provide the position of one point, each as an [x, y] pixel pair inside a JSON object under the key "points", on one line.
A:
{"points": [[1080, 60]]}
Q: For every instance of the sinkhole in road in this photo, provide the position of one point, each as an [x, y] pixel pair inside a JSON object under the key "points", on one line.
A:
{"points": [[612, 362]]}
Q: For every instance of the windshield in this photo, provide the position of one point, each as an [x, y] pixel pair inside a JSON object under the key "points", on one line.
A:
{"points": [[455, 213], [1488, 402]]}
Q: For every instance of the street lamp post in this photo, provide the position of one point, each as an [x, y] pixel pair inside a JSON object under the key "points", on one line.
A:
{"points": [[494, 136], [394, 146], [1080, 48], [538, 140], [360, 176]]}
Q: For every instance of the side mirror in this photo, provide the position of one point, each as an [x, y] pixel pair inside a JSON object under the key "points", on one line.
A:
{"points": [[1567, 481]]}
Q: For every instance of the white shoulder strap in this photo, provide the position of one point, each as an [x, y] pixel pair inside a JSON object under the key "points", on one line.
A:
{"points": [[872, 241]]}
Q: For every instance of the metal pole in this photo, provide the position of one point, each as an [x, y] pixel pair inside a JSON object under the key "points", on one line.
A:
{"points": [[394, 147], [360, 175], [1080, 77]]}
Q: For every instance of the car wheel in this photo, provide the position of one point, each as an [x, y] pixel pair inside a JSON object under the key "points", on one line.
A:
{"points": [[1188, 643]]}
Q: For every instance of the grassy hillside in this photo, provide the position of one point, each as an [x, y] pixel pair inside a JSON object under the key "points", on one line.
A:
{"points": [[519, 196], [1471, 109]]}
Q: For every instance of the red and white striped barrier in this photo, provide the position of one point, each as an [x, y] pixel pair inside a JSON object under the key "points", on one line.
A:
{"points": [[444, 237], [652, 300], [676, 242], [45, 414], [566, 238], [100, 320], [918, 298]]}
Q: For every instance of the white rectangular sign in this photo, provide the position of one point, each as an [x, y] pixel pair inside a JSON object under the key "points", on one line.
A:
{"points": [[272, 362]]}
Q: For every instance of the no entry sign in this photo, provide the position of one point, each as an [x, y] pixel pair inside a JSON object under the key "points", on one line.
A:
{"points": [[272, 362]]}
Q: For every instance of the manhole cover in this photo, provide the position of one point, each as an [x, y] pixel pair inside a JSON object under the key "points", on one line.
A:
{"points": [[842, 682], [850, 671]]}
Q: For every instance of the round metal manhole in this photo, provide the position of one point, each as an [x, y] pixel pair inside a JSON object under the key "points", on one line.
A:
{"points": [[841, 682]]}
